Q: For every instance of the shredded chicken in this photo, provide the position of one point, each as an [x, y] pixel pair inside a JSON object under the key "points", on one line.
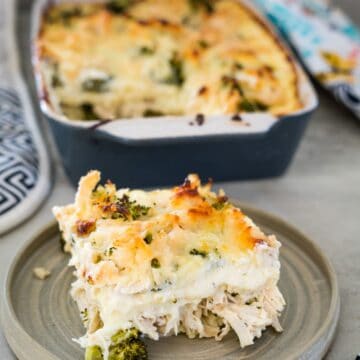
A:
{"points": [[216, 316]]}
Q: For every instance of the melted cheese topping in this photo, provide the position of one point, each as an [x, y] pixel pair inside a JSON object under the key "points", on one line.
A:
{"points": [[154, 259], [161, 57]]}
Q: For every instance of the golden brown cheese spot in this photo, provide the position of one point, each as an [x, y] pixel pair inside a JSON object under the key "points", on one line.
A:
{"points": [[203, 91], [113, 208], [205, 220], [188, 198], [106, 273], [85, 227], [237, 231], [187, 195], [131, 250], [203, 212], [173, 11], [186, 192]]}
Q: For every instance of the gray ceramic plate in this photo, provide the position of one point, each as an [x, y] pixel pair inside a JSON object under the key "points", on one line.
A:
{"points": [[40, 319]]}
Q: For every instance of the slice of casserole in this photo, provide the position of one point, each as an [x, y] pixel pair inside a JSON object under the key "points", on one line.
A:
{"points": [[164, 262], [124, 59]]}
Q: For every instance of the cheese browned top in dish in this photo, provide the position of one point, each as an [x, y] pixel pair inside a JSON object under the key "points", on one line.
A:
{"points": [[164, 262], [137, 58]]}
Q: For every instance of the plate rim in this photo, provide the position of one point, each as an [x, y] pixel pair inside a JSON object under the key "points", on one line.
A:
{"points": [[326, 331]]}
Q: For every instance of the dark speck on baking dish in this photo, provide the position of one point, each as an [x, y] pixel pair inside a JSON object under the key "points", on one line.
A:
{"points": [[236, 117], [200, 119], [99, 124]]}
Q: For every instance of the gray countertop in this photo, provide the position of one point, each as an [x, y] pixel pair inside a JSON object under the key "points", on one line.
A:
{"points": [[320, 194]]}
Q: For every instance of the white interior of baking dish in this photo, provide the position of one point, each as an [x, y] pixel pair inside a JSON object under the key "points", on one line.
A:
{"points": [[178, 126]]}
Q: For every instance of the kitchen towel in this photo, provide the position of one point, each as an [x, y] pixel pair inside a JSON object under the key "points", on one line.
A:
{"points": [[325, 39], [25, 177]]}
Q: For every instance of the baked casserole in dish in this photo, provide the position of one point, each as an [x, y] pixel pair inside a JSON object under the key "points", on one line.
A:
{"points": [[158, 57], [149, 90]]}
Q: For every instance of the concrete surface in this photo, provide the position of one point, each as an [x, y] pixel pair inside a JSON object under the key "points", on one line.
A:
{"points": [[320, 194]]}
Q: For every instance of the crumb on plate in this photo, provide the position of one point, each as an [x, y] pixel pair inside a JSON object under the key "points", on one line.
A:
{"points": [[41, 273]]}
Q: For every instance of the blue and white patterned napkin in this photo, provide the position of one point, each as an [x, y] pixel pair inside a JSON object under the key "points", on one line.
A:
{"points": [[24, 162], [326, 40]]}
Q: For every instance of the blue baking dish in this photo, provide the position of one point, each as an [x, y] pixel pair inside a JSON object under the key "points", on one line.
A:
{"points": [[163, 150]]}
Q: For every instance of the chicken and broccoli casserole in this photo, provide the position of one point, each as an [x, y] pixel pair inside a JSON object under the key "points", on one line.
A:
{"points": [[165, 262], [140, 58]]}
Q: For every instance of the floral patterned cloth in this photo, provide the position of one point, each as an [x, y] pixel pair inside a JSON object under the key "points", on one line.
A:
{"points": [[325, 39]]}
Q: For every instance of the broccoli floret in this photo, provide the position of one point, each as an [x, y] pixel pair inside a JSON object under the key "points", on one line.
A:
{"points": [[124, 335], [127, 345], [96, 85], [118, 6], [130, 350], [129, 209], [252, 105], [93, 353], [176, 76]]}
